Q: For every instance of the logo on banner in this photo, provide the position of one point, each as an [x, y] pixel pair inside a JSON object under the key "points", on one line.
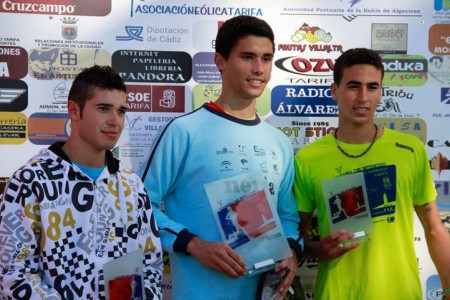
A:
{"points": [[441, 5], [311, 34], [404, 70], [13, 62], [312, 38], [317, 67], [389, 105], [204, 68], [155, 98], [389, 38], [57, 7], [413, 126], [133, 33], [13, 95], [69, 30], [433, 288], [13, 128], [445, 95], [64, 63], [153, 66], [303, 101], [47, 128], [439, 39]]}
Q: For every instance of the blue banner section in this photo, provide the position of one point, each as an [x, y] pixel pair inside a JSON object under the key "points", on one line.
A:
{"points": [[303, 101]]}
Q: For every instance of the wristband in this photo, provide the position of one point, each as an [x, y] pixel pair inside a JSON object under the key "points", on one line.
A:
{"points": [[444, 294]]}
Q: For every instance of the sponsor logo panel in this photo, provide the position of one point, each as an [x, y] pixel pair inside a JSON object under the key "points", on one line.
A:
{"points": [[438, 70], [441, 5], [13, 62], [413, 126], [13, 95], [391, 100], [204, 69], [153, 66], [164, 98], [439, 39], [13, 128], [404, 70], [303, 101], [57, 7], [390, 38], [47, 128], [433, 288], [64, 63]]}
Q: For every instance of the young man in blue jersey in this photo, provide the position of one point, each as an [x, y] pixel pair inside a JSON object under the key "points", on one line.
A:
{"points": [[397, 179], [210, 144]]}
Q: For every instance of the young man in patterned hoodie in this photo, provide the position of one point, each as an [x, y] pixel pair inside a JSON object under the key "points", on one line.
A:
{"points": [[73, 207]]}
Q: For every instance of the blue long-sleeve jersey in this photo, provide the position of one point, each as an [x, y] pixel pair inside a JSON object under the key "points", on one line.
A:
{"points": [[204, 146]]}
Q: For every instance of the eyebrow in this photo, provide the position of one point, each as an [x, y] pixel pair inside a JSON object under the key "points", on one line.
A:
{"points": [[110, 105], [254, 54], [373, 83]]}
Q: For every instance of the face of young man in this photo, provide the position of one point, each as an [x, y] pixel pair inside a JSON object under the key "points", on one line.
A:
{"points": [[247, 70], [102, 120], [358, 94]]}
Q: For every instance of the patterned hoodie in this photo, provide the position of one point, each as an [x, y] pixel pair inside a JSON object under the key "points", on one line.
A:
{"points": [[58, 227]]}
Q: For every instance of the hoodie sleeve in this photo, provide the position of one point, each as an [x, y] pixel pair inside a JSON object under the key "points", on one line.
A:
{"points": [[151, 245], [20, 239]]}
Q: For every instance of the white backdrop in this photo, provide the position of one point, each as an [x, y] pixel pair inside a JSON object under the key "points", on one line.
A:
{"points": [[164, 51]]}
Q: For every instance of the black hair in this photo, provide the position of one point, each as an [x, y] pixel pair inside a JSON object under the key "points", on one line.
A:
{"points": [[84, 84], [356, 56], [239, 27]]}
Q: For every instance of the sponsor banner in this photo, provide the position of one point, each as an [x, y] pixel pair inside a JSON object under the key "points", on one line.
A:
{"points": [[13, 62], [155, 98], [13, 128], [153, 66], [141, 128], [404, 70], [47, 128], [132, 156], [57, 7], [445, 97], [64, 63], [443, 198], [303, 101], [3, 182], [204, 69], [439, 39], [306, 66], [390, 38], [391, 98], [438, 70], [13, 95], [413, 126], [202, 93], [441, 5], [433, 288]]}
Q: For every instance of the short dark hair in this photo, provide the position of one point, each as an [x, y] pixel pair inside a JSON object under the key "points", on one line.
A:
{"points": [[356, 56], [102, 77], [239, 27]]}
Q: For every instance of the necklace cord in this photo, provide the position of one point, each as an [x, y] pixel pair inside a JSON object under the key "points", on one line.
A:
{"points": [[358, 155]]}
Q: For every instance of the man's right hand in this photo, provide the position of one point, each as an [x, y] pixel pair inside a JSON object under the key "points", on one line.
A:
{"points": [[218, 256], [332, 247]]}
